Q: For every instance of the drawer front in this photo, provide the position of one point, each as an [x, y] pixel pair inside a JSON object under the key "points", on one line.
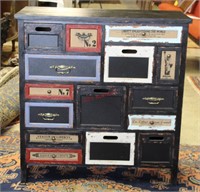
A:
{"points": [[54, 156], [101, 106], [62, 67], [106, 148], [155, 149], [152, 122], [54, 137], [129, 64], [148, 34], [83, 38], [49, 115], [49, 91], [168, 66], [153, 98], [43, 36]]}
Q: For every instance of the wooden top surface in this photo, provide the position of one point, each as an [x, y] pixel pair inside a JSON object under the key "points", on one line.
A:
{"points": [[100, 15]]}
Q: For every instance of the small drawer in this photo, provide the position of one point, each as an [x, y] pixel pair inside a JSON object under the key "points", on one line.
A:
{"points": [[101, 106], [43, 36], [129, 64], [49, 91], [49, 115], [152, 122], [153, 98], [54, 156], [83, 38], [148, 34], [155, 149], [106, 148], [62, 67], [54, 137]]}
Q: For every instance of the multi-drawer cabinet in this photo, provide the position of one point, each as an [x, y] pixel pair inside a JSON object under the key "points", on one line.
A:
{"points": [[101, 87]]}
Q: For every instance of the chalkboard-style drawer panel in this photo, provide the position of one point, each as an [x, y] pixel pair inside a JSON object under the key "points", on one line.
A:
{"points": [[49, 91], [149, 34], [54, 137], [54, 156], [43, 36], [83, 38], [62, 67], [110, 148], [101, 106], [147, 97], [152, 122], [49, 115], [155, 149], [129, 64]]}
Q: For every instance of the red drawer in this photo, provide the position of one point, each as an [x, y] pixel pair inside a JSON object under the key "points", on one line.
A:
{"points": [[49, 91], [54, 156]]}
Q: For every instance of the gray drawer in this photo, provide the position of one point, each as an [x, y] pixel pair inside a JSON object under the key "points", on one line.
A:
{"points": [[62, 67], [43, 36], [49, 115], [153, 98]]}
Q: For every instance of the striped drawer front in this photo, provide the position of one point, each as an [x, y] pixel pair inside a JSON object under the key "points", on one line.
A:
{"points": [[54, 156]]}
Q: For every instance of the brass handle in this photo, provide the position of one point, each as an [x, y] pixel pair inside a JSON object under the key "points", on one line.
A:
{"points": [[153, 100], [53, 156], [62, 69], [53, 139], [144, 34], [48, 116]]}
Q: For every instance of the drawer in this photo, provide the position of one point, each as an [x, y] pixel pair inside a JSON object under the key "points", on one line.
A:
{"points": [[101, 106], [129, 64], [155, 149], [148, 34], [83, 38], [152, 122], [53, 137], [62, 67], [110, 148], [54, 156], [153, 98], [168, 66], [43, 36], [49, 115], [49, 91]]}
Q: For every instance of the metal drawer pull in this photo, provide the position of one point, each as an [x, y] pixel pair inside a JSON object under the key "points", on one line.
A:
{"points": [[48, 116], [144, 34], [53, 139], [153, 100], [62, 69]]}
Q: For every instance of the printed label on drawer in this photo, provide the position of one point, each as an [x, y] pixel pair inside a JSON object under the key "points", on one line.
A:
{"points": [[143, 34], [152, 122], [54, 156], [48, 91], [53, 138]]}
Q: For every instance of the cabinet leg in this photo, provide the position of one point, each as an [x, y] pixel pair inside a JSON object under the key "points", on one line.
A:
{"points": [[174, 173], [24, 175]]}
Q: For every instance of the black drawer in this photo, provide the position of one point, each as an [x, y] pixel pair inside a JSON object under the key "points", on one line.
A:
{"points": [[43, 36], [155, 149], [49, 115], [101, 106], [153, 98], [62, 67]]}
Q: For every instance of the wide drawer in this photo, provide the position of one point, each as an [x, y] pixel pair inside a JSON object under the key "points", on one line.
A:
{"points": [[110, 148], [152, 122], [155, 149], [149, 34], [62, 67], [54, 156], [53, 137], [43, 36], [49, 115], [49, 91], [101, 106], [153, 98]]}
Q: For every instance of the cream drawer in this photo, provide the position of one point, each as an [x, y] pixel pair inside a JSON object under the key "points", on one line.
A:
{"points": [[148, 34]]}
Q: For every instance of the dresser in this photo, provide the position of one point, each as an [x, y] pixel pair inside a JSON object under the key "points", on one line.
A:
{"points": [[101, 87]]}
